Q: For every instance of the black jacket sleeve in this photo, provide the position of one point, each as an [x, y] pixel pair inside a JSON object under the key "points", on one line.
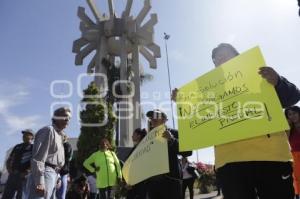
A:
{"points": [[10, 159], [68, 151], [68, 157], [287, 92], [176, 144]]}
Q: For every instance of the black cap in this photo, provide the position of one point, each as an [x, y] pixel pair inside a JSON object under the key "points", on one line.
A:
{"points": [[156, 114], [28, 131]]}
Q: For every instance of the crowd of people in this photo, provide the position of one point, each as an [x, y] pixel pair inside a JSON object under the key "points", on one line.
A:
{"points": [[262, 167]]}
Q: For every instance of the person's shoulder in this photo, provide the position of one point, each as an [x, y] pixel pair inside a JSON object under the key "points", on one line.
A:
{"points": [[67, 144], [173, 131], [18, 146], [44, 132], [45, 129], [113, 153], [97, 153]]}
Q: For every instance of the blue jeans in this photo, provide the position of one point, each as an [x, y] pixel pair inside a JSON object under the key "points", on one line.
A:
{"points": [[62, 191], [50, 176]]}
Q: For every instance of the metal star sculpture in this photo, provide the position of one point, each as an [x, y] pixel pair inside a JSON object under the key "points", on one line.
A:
{"points": [[111, 37], [105, 35]]}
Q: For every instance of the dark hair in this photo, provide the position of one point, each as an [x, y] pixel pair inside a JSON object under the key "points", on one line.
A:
{"points": [[294, 109], [104, 139], [81, 179], [59, 112], [80, 182], [141, 132], [224, 45]]}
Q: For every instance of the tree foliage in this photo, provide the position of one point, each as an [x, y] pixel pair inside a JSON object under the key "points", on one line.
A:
{"points": [[97, 121]]}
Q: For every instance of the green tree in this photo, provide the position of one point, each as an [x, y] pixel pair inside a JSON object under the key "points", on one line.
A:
{"points": [[97, 121]]}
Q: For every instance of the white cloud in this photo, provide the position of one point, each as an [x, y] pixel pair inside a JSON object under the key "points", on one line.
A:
{"points": [[176, 55], [13, 95], [16, 123], [5, 104], [230, 38]]}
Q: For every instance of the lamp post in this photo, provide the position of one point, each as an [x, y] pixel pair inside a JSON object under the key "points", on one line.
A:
{"points": [[166, 37]]}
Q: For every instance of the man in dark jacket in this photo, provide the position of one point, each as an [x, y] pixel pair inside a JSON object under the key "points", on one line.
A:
{"points": [[64, 172], [166, 185], [18, 166]]}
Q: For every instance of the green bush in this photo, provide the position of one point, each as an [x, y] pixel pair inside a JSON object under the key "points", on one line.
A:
{"points": [[95, 111]]}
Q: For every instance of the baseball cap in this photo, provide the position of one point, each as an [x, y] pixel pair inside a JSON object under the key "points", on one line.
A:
{"points": [[29, 131], [156, 114]]}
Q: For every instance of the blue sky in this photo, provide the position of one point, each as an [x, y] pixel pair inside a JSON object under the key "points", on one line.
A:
{"points": [[36, 43]]}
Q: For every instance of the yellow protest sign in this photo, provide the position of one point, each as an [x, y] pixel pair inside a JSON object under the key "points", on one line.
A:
{"points": [[229, 103], [150, 158]]}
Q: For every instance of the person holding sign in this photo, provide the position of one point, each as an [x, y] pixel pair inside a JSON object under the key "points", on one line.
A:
{"points": [[166, 185], [137, 191], [293, 116], [260, 166], [107, 168]]}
